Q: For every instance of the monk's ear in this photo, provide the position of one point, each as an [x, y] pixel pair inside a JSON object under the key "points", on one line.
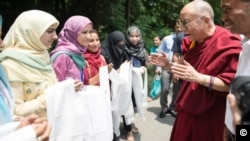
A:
{"points": [[207, 19]]}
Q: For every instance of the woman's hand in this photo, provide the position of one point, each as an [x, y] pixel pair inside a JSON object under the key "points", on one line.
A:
{"points": [[24, 121], [143, 70], [40, 126], [78, 85], [158, 70], [110, 67], [42, 130]]}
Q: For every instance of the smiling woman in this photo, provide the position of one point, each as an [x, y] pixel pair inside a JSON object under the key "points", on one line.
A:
{"points": [[94, 60], [67, 58]]}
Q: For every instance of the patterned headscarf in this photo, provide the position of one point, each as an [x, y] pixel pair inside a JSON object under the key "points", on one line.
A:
{"points": [[24, 49], [138, 50]]}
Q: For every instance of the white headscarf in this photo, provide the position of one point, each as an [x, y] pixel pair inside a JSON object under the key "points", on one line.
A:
{"points": [[28, 58]]}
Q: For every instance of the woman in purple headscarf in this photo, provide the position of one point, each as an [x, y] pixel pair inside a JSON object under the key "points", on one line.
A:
{"points": [[72, 43]]}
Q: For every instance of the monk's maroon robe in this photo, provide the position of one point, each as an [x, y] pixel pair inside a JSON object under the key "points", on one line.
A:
{"points": [[201, 111]]}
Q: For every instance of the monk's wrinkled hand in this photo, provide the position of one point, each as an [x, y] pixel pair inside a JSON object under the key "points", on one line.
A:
{"points": [[159, 59], [185, 71]]}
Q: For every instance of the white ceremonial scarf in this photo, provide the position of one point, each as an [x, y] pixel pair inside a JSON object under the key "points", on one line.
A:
{"points": [[8, 132], [140, 88], [121, 90], [81, 116]]}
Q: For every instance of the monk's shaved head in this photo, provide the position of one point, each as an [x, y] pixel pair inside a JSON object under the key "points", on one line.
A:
{"points": [[198, 7]]}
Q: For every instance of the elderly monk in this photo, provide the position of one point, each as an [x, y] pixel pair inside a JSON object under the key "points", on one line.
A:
{"points": [[209, 64]]}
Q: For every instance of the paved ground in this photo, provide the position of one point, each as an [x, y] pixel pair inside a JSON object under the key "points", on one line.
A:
{"points": [[154, 128]]}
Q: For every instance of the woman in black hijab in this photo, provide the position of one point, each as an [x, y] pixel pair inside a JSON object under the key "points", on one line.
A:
{"points": [[113, 49]]}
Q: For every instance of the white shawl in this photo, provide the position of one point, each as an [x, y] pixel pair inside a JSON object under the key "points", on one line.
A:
{"points": [[82, 116]]}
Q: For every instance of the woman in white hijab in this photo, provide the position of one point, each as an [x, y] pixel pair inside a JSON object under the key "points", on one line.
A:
{"points": [[31, 128], [26, 60]]}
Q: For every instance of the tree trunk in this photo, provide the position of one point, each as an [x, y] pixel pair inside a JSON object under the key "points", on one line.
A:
{"points": [[128, 12]]}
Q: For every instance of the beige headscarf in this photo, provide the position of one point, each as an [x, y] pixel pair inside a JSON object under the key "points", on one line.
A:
{"points": [[25, 58]]}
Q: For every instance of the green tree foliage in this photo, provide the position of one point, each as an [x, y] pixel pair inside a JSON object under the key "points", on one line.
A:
{"points": [[217, 11], [158, 18], [152, 17]]}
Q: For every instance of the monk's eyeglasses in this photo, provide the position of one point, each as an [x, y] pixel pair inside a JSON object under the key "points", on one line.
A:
{"points": [[186, 24]]}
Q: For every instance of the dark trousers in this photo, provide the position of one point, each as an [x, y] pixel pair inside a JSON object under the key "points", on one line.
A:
{"points": [[165, 89]]}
